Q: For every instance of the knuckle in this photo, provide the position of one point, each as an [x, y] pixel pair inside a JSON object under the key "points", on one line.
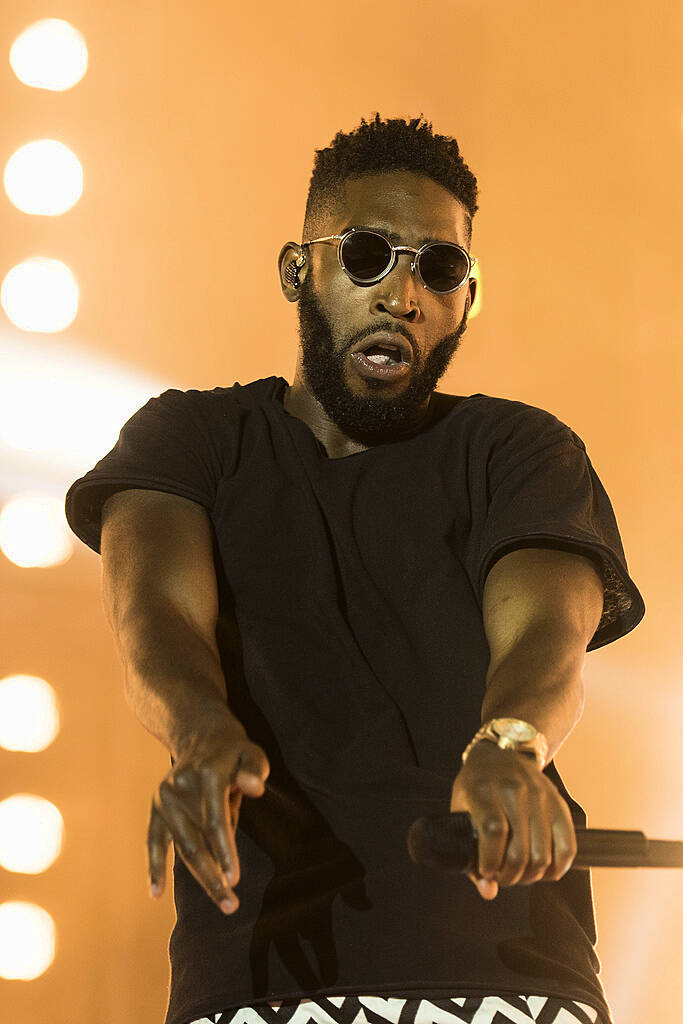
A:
{"points": [[218, 891], [185, 777], [565, 851], [515, 860], [538, 864], [493, 827], [188, 846], [481, 787], [206, 771], [510, 784], [214, 819]]}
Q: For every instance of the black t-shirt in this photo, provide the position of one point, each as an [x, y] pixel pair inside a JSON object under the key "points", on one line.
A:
{"points": [[352, 641]]}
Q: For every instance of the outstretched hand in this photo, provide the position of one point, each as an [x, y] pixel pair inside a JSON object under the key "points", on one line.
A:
{"points": [[197, 805]]}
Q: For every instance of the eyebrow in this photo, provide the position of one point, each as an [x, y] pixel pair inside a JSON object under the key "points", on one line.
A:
{"points": [[394, 237]]}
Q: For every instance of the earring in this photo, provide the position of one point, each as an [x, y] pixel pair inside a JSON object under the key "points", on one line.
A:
{"points": [[292, 270]]}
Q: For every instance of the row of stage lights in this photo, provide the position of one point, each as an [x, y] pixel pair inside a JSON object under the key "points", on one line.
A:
{"points": [[42, 178]]}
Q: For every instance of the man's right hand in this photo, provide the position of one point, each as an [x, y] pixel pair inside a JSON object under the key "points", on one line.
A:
{"points": [[211, 772]]}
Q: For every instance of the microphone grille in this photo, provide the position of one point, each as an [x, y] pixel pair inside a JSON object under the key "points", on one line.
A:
{"points": [[443, 841]]}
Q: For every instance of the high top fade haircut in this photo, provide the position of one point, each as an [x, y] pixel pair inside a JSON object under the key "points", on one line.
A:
{"points": [[378, 146]]}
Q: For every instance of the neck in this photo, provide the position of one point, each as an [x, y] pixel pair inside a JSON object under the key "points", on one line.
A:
{"points": [[299, 402]]}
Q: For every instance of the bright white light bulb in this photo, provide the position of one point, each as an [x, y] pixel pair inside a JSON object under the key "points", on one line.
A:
{"points": [[34, 532], [27, 940], [61, 410], [50, 54], [44, 177], [40, 294], [31, 833], [29, 713]]}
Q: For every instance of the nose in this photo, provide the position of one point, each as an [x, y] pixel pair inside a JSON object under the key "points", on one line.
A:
{"points": [[396, 293]]}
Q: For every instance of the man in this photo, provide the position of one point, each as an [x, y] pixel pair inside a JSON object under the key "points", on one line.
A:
{"points": [[356, 601]]}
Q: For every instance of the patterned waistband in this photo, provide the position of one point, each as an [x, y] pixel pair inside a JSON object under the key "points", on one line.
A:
{"points": [[489, 1009]]}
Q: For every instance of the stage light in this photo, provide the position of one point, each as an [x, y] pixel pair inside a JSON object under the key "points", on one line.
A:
{"points": [[61, 410], [29, 713], [43, 178], [31, 833], [40, 294], [27, 940], [34, 532], [50, 54]]}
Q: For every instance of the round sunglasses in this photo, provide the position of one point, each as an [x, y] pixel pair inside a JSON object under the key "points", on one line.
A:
{"points": [[367, 256]]}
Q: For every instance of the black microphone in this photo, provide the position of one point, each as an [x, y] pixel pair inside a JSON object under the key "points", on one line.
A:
{"points": [[448, 842]]}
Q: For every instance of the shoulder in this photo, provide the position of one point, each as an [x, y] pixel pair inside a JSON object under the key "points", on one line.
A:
{"points": [[216, 400], [494, 421]]}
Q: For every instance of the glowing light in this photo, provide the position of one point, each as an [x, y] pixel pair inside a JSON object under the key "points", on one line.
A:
{"points": [[27, 940], [34, 532], [40, 294], [66, 406], [29, 713], [31, 833], [44, 177], [50, 54]]}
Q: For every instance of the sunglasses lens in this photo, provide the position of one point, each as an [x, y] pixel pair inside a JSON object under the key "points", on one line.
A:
{"points": [[443, 267], [365, 254]]}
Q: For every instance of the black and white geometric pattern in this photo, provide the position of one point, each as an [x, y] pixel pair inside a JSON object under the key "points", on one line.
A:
{"points": [[393, 1010]]}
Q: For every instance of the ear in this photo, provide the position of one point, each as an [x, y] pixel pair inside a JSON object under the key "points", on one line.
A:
{"points": [[291, 257], [472, 293]]}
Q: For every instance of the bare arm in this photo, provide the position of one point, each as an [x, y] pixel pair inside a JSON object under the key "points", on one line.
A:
{"points": [[541, 608], [160, 598]]}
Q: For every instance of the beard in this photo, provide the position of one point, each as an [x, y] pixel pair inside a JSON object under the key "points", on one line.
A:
{"points": [[374, 418]]}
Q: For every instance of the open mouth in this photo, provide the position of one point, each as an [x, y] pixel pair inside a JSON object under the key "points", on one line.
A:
{"points": [[383, 356], [384, 348]]}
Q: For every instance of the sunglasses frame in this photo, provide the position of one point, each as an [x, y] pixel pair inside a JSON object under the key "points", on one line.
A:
{"points": [[339, 240]]}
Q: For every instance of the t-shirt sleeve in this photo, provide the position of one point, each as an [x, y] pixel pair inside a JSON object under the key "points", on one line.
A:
{"points": [[540, 490], [170, 444]]}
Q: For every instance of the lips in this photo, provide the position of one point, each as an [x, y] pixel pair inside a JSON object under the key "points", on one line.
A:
{"points": [[387, 339]]}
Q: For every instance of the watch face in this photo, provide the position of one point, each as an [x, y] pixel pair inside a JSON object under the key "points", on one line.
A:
{"points": [[514, 729]]}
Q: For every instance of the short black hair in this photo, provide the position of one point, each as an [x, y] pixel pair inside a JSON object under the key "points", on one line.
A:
{"points": [[392, 145]]}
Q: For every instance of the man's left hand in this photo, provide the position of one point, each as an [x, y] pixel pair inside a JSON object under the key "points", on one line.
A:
{"points": [[524, 828]]}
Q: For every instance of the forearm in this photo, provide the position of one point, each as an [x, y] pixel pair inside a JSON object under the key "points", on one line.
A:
{"points": [[540, 681], [174, 682]]}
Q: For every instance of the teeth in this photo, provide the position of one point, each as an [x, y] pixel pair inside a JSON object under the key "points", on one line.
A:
{"points": [[380, 358]]}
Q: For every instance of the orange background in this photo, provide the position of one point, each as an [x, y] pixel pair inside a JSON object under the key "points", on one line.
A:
{"points": [[196, 125]]}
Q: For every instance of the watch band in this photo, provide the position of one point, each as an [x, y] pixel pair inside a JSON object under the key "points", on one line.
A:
{"points": [[537, 746]]}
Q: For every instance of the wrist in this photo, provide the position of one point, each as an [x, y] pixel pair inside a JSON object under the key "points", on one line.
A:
{"points": [[511, 734], [191, 734]]}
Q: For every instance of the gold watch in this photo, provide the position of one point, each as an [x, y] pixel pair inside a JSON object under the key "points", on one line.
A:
{"points": [[512, 734]]}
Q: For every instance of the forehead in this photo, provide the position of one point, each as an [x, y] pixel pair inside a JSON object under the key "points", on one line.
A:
{"points": [[407, 206]]}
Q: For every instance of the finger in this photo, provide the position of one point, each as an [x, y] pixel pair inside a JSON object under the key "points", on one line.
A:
{"points": [[191, 845], [218, 833], [253, 769], [187, 783], [158, 839], [492, 829], [540, 840], [486, 887], [515, 799], [234, 803], [564, 842]]}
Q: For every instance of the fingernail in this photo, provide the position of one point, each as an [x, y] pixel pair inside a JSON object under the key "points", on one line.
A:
{"points": [[227, 906], [154, 890]]}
